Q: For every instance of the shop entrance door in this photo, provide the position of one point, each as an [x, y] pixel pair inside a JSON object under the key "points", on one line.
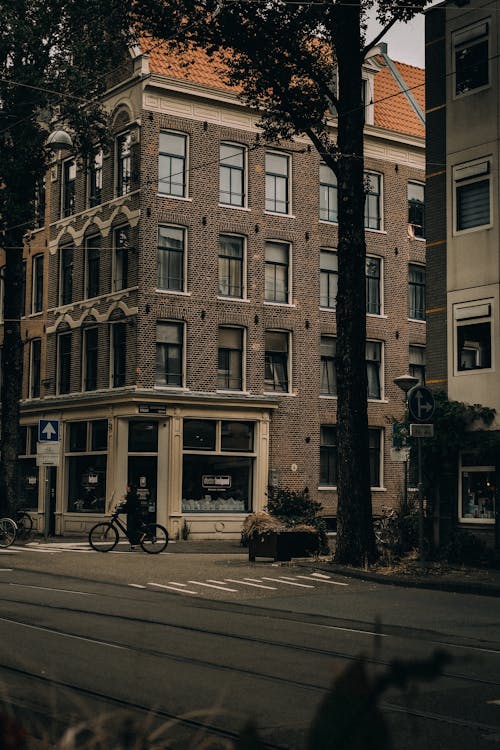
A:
{"points": [[142, 471]]}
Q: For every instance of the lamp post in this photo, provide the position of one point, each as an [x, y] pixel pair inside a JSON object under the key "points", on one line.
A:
{"points": [[405, 383]]}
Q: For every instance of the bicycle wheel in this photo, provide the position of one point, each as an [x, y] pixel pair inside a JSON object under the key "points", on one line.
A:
{"points": [[103, 537], [8, 531], [154, 539], [24, 524]]}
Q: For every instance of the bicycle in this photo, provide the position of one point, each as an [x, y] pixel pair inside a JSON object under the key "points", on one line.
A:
{"points": [[8, 530], [24, 523], [103, 537]]}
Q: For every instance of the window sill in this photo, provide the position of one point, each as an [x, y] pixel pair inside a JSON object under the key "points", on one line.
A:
{"points": [[233, 299], [375, 231], [475, 521], [377, 400], [416, 320], [328, 396], [471, 230], [277, 213], [281, 393], [474, 371], [34, 315], [471, 92], [174, 292], [177, 388], [232, 392], [279, 304], [328, 309], [328, 223], [417, 239], [175, 197], [236, 208], [380, 316]]}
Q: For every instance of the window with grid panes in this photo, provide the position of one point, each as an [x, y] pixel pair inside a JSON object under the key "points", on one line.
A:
{"points": [[373, 214], [169, 353], [231, 249], [64, 362], [276, 376], [171, 258], [66, 276], [328, 194], [35, 367], [230, 359], [95, 179], [277, 182], [119, 353], [416, 292], [121, 249], [416, 209], [277, 268], [373, 285], [373, 368], [124, 163], [68, 187], [92, 270], [172, 164], [329, 278], [328, 348], [232, 175], [417, 363], [37, 284], [86, 462], [90, 350]]}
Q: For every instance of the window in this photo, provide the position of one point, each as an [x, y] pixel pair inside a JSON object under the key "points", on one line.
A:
{"points": [[231, 253], [121, 247], [218, 466], [472, 195], [86, 463], [477, 489], [373, 215], [35, 368], [118, 354], [63, 362], [416, 209], [171, 258], [2, 293], [66, 276], [373, 286], [276, 377], [277, 183], [417, 363], [124, 163], [68, 187], [471, 59], [473, 324], [230, 359], [328, 195], [23, 290], [90, 344], [169, 353], [95, 179], [328, 470], [40, 203], [93, 254], [416, 292], [276, 272], [328, 473], [37, 284], [28, 470], [328, 349], [172, 164], [232, 174], [329, 278], [373, 368], [143, 437]]}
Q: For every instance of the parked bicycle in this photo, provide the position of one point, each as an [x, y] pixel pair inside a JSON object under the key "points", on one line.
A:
{"points": [[8, 530], [104, 536], [24, 523]]}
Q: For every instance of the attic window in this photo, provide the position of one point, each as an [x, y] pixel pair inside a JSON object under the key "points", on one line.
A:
{"points": [[471, 59]]}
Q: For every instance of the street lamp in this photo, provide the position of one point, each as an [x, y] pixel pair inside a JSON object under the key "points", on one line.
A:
{"points": [[405, 383], [59, 140]]}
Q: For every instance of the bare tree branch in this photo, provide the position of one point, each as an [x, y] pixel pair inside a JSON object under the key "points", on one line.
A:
{"points": [[377, 39]]}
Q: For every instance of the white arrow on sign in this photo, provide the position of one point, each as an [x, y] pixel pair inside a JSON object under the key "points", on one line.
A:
{"points": [[48, 430], [423, 408]]}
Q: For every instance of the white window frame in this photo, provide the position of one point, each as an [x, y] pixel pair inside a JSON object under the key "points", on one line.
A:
{"points": [[469, 36], [469, 173], [243, 358], [183, 289], [289, 183], [288, 245], [244, 266], [185, 193], [244, 148], [421, 347], [183, 330], [368, 173], [380, 314], [477, 470], [381, 369], [35, 260], [64, 184], [333, 251], [289, 360], [411, 232], [478, 311], [115, 231], [118, 194]]}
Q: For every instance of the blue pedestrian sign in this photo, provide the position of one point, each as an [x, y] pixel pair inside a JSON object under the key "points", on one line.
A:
{"points": [[48, 430], [421, 404]]}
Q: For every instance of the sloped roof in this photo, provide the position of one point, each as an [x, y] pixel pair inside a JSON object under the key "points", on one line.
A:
{"points": [[392, 109]]}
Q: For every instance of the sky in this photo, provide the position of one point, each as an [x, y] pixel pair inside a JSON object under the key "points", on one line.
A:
{"points": [[405, 41]]}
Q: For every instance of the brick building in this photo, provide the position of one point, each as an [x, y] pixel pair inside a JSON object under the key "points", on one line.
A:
{"points": [[185, 337], [463, 239]]}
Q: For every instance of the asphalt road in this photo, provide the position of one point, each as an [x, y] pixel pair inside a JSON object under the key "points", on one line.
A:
{"points": [[199, 643]]}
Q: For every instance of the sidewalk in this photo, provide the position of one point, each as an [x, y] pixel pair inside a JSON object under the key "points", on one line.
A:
{"points": [[436, 576]]}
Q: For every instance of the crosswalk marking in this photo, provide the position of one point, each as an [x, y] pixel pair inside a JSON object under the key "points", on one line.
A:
{"points": [[212, 586], [172, 588], [320, 575], [322, 580], [249, 583], [287, 583], [137, 586]]}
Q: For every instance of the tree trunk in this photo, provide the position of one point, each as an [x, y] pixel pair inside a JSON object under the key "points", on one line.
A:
{"points": [[12, 366], [355, 537]]}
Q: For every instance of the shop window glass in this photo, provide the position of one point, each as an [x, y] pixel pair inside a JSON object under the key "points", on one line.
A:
{"points": [[143, 437], [23, 435], [77, 437], [28, 483], [477, 493], [199, 434], [214, 484], [99, 435], [32, 439], [87, 483], [236, 436]]}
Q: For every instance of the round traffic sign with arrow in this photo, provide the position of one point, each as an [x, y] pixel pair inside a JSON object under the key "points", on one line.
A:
{"points": [[421, 404]]}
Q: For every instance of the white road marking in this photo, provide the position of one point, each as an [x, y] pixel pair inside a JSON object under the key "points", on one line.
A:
{"points": [[248, 583], [287, 583], [171, 588], [63, 635], [176, 583], [6, 570], [47, 588], [352, 630], [211, 586], [322, 580], [320, 575], [211, 580], [15, 548], [137, 586]]}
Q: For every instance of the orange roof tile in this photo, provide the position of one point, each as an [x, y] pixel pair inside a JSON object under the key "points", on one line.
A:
{"points": [[392, 109]]}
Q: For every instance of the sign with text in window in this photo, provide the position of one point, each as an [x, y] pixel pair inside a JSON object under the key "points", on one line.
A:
{"points": [[215, 481]]}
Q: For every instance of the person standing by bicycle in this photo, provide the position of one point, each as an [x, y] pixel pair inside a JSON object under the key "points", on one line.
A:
{"points": [[132, 507]]}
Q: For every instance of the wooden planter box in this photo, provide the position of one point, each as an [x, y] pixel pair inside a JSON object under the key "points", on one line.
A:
{"points": [[284, 545]]}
